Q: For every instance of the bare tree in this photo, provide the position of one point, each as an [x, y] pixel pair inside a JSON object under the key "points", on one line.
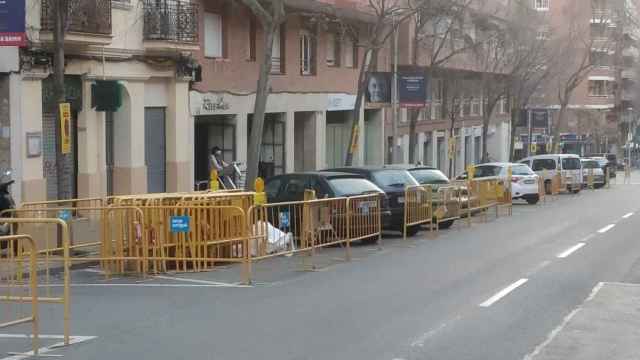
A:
{"points": [[577, 43], [271, 14], [441, 32], [387, 16], [61, 12]]}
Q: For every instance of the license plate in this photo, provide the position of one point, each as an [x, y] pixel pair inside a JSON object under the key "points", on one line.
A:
{"points": [[401, 200]]}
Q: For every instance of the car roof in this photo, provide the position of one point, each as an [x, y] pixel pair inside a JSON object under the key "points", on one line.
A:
{"points": [[409, 167], [500, 164], [324, 174], [360, 169]]}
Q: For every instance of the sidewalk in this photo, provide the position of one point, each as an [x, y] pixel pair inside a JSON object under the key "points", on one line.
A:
{"points": [[606, 326]]}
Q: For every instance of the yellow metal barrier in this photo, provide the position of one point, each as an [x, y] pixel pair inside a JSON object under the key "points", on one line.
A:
{"points": [[65, 259], [12, 275], [304, 226], [482, 196], [447, 205], [417, 207], [542, 189]]}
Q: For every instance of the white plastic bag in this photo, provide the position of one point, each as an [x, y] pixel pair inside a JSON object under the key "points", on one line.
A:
{"points": [[277, 240]]}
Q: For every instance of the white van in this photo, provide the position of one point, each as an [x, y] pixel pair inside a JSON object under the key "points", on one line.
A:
{"points": [[568, 164]]}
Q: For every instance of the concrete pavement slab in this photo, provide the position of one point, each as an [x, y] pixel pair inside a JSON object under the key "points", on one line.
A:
{"points": [[605, 326]]}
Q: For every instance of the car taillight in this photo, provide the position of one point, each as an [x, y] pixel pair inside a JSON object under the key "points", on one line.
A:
{"points": [[515, 179]]}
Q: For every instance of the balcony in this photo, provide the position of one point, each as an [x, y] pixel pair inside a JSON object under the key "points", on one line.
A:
{"points": [[89, 22], [600, 15], [628, 74], [170, 26]]}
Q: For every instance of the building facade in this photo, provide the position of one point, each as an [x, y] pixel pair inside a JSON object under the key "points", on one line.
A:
{"points": [[313, 84], [605, 103], [138, 147]]}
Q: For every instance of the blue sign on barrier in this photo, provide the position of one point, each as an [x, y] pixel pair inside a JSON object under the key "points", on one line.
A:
{"points": [[64, 215], [180, 224], [284, 219]]}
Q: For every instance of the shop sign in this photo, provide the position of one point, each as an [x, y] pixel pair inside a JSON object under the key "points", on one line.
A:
{"points": [[12, 23], [340, 102]]}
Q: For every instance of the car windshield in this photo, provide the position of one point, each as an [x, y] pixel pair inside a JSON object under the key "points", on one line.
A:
{"points": [[429, 176], [487, 171], [395, 178], [570, 164], [352, 186], [521, 170], [602, 162], [543, 164], [590, 164]]}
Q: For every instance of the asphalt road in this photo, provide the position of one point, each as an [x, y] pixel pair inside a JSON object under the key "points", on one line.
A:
{"points": [[492, 291]]}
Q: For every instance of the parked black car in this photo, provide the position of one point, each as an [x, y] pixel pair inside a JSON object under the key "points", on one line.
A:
{"points": [[392, 180], [291, 187]]}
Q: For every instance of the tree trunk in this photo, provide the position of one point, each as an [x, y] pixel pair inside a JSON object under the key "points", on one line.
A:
{"points": [[515, 119], [413, 137], [262, 93], [558, 125], [362, 82], [60, 9], [486, 120]]}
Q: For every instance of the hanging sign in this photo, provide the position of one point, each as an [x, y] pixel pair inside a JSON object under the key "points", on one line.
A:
{"points": [[65, 127]]}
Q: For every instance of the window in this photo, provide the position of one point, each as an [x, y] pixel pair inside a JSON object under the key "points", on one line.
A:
{"points": [[344, 186], [466, 107], [277, 51], [333, 50], [475, 106], [521, 170], [307, 54], [503, 106], [212, 35], [541, 4], [350, 53], [544, 164], [542, 34], [436, 105], [571, 164], [272, 187], [487, 171], [599, 30], [600, 58], [601, 88]]}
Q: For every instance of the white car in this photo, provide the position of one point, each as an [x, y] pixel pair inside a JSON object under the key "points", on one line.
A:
{"points": [[549, 165], [592, 167], [524, 182]]}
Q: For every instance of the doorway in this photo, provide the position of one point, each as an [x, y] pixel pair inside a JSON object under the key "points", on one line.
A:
{"points": [[155, 149]]}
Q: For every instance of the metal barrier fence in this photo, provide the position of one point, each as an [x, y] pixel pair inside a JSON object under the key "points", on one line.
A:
{"points": [[304, 226], [418, 207], [14, 249], [482, 196], [448, 204], [63, 258]]}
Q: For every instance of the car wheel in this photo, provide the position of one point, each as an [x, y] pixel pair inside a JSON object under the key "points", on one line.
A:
{"points": [[547, 187], [370, 240], [413, 230], [575, 191], [446, 224], [532, 200], [598, 186]]}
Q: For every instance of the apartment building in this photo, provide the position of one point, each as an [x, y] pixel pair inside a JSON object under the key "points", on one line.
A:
{"points": [[605, 103], [313, 89], [142, 49], [449, 141]]}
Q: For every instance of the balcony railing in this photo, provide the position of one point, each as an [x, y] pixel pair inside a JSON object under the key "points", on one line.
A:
{"points": [[170, 20], [276, 65], [83, 16]]}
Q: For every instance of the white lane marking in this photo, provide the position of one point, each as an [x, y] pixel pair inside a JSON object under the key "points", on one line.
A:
{"points": [[196, 281], [539, 267], [606, 228], [502, 293], [588, 237], [570, 250], [562, 325], [419, 342], [626, 216], [47, 349]]}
